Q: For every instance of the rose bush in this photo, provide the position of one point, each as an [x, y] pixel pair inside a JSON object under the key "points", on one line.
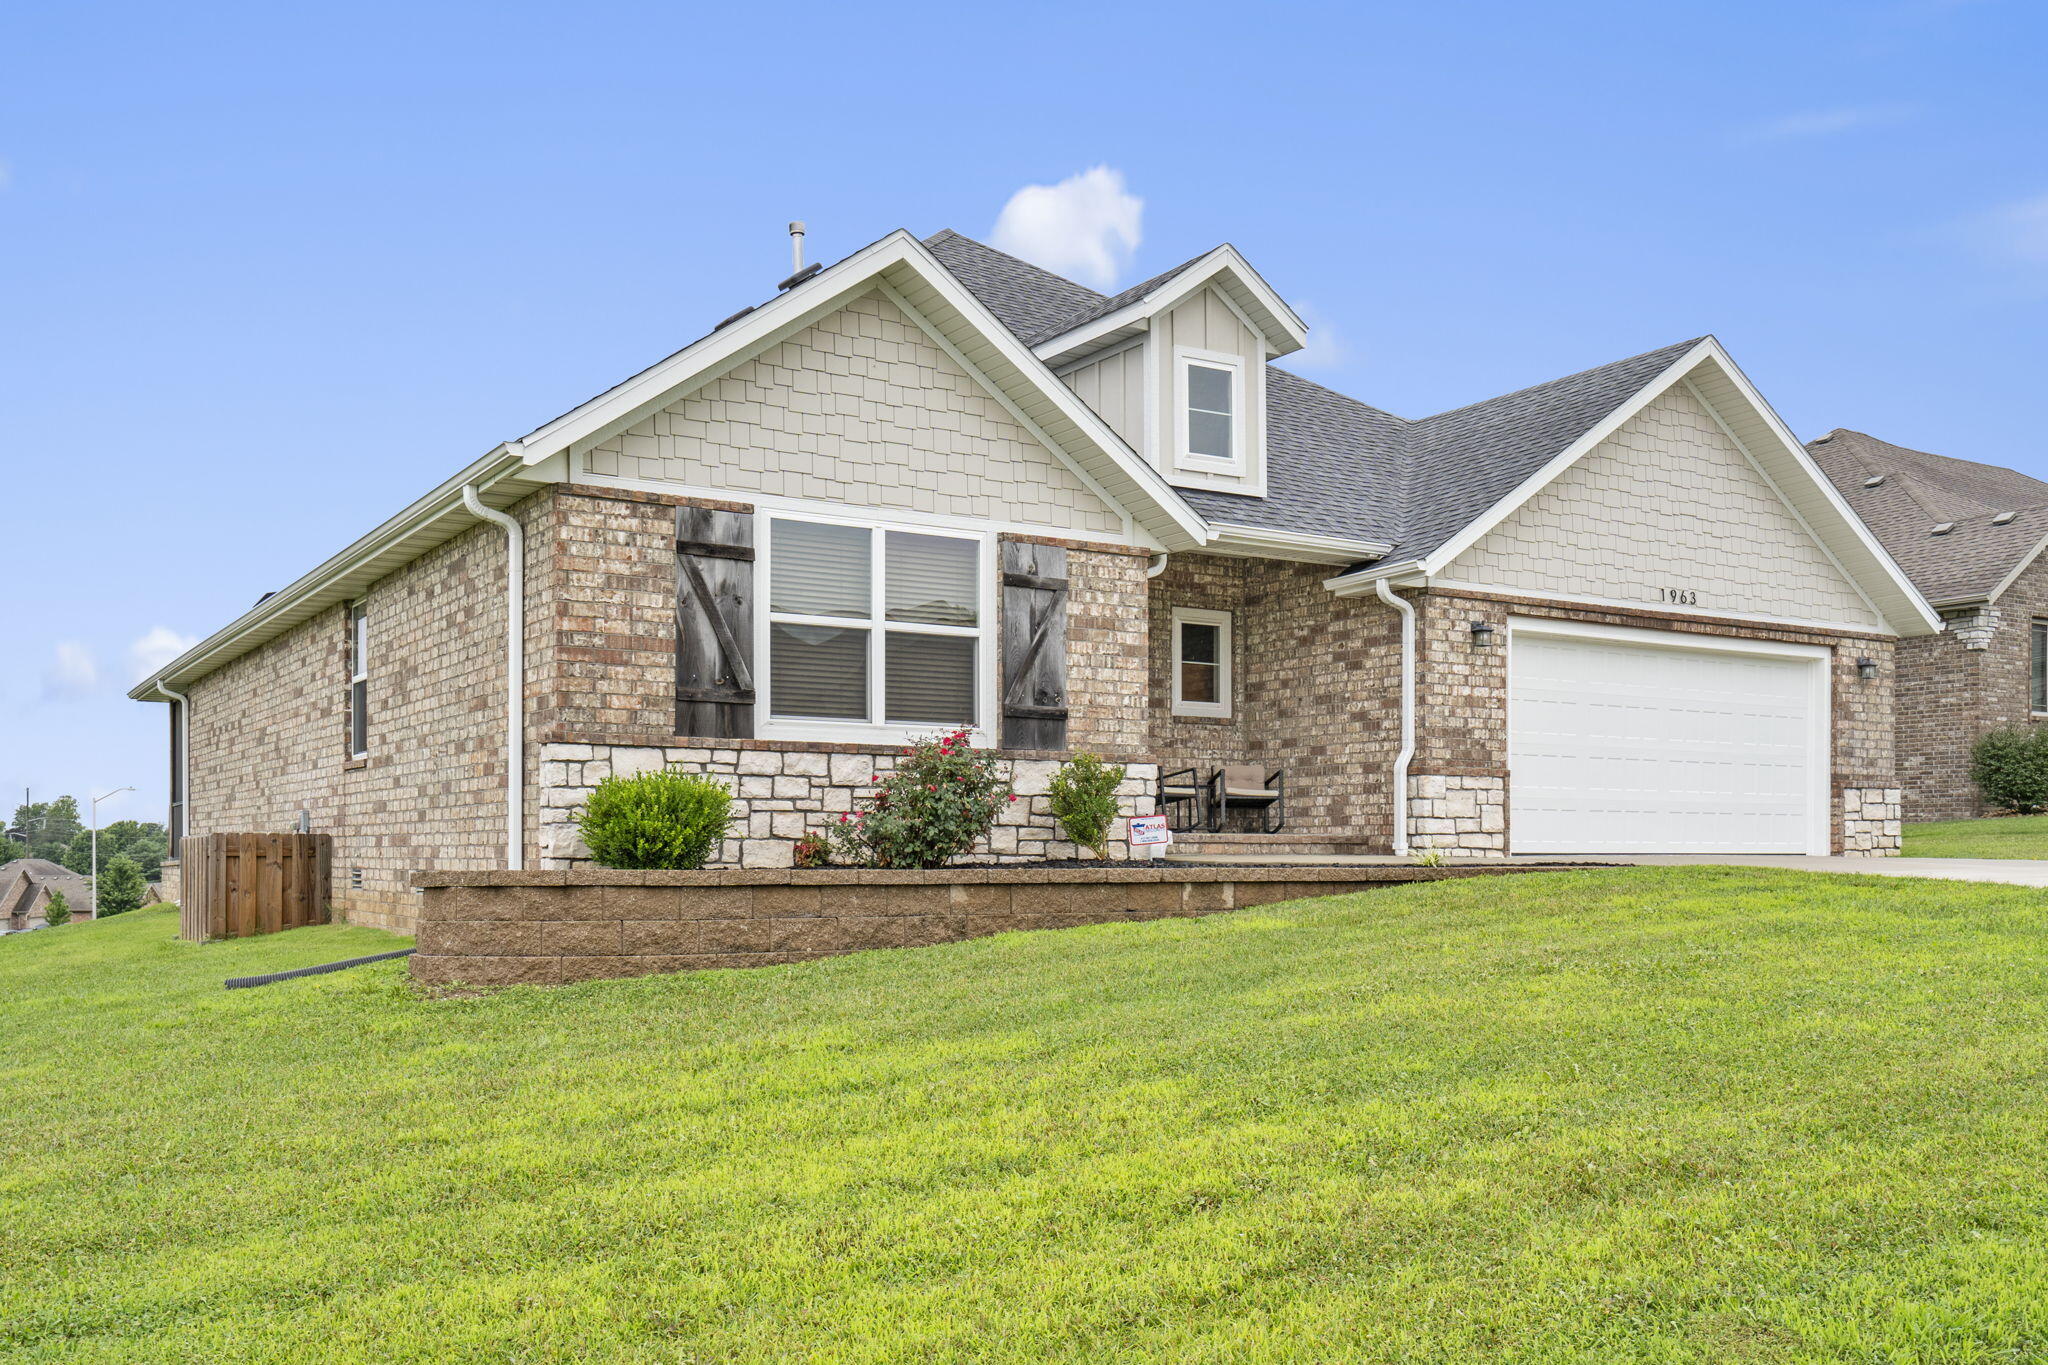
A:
{"points": [[940, 802]]}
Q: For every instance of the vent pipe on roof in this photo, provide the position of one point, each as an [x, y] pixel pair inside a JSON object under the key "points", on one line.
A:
{"points": [[796, 247]]}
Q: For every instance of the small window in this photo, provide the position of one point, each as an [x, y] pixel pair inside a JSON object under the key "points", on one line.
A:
{"points": [[2038, 672], [1201, 662], [358, 682], [1211, 411]]}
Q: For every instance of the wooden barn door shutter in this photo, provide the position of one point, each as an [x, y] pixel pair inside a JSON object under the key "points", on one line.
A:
{"points": [[714, 623], [1034, 646]]}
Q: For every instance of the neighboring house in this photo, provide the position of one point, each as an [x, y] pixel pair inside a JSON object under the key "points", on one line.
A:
{"points": [[1970, 536], [26, 885], [932, 485]]}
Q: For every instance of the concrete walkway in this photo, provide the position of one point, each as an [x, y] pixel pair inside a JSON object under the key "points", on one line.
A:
{"points": [[2012, 871]]}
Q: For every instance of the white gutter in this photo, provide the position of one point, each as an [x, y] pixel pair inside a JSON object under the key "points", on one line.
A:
{"points": [[515, 676], [1407, 753], [1359, 582], [184, 759], [1155, 566]]}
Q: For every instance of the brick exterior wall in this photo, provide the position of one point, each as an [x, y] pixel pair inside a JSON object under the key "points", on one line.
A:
{"points": [[1461, 697], [1315, 689], [270, 729], [1973, 678]]}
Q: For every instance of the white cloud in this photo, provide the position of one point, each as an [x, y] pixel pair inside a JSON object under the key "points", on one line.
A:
{"points": [[157, 648], [1086, 226], [72, 673], [1828, 122], [1327, 348]]}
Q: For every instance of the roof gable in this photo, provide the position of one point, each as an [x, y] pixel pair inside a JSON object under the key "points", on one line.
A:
{"points": [[1669, 500], [907, 272]]}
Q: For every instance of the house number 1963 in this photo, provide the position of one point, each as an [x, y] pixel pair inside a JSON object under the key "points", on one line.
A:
{"points": [[1680, 597]]}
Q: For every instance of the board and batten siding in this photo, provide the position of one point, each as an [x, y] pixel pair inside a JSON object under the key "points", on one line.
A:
{"points": [[1667, 504], [1204, 322], [1114, 386], [862, 408]]}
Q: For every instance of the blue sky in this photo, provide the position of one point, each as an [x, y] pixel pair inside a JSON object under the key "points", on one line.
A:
{"points": [[272, 271]]}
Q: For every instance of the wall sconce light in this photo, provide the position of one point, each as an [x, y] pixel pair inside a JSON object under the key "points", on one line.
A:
{"points": [[1866, 669], [1482, 634]]}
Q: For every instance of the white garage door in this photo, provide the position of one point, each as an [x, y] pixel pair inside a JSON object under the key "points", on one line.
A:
{"points": [[1622, 743]]}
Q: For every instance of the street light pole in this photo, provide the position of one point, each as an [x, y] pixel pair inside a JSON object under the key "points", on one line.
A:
{"points": [[96, 845]]}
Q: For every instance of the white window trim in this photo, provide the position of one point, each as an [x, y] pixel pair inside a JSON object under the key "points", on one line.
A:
{"points": [[1183, 458], [767, 725], [358, 676], [1202, 616]]}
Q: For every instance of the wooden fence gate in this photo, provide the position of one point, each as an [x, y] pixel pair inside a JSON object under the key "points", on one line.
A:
{"points": [[235, 885]]}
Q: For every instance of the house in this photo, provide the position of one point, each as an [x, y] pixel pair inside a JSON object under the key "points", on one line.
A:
{"points": [[26, 886], [1970, 536], [931, 485]]}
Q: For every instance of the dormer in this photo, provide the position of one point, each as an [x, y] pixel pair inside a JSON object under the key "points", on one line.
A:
{"points": [[1177, 367]]}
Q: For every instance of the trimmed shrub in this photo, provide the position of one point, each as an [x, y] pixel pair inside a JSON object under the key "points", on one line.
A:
{"points": [[656, 821], [1083, 794], [938, 804], [58, 911], [2010, 767]]}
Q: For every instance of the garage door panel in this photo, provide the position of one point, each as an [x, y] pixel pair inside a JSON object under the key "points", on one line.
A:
{"points": [[1634, 748]]}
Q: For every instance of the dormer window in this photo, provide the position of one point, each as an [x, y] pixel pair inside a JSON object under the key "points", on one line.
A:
{"points": [[1211, 411]]}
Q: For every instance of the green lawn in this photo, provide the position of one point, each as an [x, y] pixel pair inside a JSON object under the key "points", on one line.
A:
{"points": [[2010, 836], [1695, 1114]]}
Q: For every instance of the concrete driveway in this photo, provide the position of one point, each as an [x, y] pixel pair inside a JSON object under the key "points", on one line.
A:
{"points": [[2012, 871]]}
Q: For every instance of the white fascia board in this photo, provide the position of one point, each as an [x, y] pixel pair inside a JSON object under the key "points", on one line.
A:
{"points": [[1259, 542], [1293, 332], [308, 590], [1162, 508], [1541, 479]]}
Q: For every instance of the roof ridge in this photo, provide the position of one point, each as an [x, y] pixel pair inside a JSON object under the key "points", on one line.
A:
{"points": [[1564, 378]]}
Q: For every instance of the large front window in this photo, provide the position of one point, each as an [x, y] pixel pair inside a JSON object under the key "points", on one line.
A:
{"points": [[873, 629]]}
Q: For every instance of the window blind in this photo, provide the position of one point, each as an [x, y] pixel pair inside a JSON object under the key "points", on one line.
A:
{"points": [[930, 579]]}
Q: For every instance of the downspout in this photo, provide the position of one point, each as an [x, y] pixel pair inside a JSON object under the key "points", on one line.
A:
{"points": [[1155, 566], [1407, 753], [184, 758], [515, 676]]}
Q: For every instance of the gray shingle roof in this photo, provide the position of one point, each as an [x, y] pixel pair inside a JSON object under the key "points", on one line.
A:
{"points": [[1029, 301], [1922, 490], [1336, 466]]}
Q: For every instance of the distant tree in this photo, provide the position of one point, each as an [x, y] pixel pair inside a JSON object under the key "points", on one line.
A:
{"points": [[145, 844], [47, 827], [58, 911], [10, 850], [121, 887]]}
